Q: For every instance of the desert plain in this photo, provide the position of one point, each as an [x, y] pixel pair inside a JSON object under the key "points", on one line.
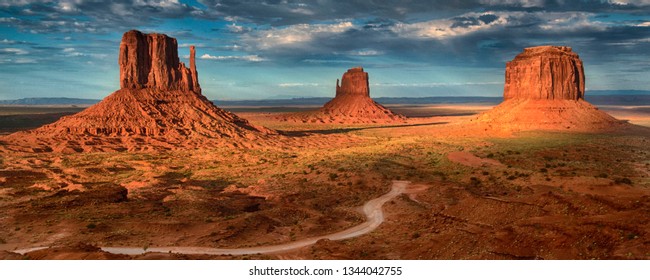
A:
{"points": [[473, 194]]}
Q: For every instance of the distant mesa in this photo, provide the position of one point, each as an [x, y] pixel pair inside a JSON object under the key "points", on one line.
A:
{"points": [[352, 104], [544, 90], [159, 106]]}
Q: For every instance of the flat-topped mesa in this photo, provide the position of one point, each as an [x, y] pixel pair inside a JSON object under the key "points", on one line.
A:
{"points": [[544, 90], [545, 72], [353, 82], [151, 61]]}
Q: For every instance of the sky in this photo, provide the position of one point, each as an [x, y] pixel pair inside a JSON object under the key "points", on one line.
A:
{"points": [[286, 49]]}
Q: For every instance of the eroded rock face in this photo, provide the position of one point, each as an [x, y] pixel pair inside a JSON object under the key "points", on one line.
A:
{"points": [[353, 82], [151, 61], [545, 72]]}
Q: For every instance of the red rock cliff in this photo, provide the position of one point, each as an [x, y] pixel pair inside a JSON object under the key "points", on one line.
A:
{"points": [[151, 61], [354, 82], [545, 72]]}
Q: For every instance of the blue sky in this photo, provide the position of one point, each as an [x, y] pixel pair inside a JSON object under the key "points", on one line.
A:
{"points": [[290, 48]]}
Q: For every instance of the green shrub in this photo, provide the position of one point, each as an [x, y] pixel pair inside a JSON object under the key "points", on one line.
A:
{"points": [[623, 180]]}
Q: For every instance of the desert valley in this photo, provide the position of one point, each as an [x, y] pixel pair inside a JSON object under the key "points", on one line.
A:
{"points": [[157, 171]]}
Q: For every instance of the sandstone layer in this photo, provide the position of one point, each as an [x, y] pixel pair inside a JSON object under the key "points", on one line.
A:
{"points": [[151, 61], [544, 90], [352, 104], [546, 72], [159, 105]]}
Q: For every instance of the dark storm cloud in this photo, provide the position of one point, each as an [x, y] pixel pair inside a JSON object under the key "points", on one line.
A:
{"points": [[292, 12], [478, 32], [89, 16], [278, 13], [97, 16], [478, 39]]}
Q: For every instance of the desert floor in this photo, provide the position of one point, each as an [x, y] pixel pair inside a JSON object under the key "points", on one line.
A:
{"points": [[473, 195]]}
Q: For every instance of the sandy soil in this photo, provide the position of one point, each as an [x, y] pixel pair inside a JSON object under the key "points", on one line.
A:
{"points": [[471, 160]]}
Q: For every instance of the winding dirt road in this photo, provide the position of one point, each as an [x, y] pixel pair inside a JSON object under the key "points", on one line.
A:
{"points": [[372, 210]]}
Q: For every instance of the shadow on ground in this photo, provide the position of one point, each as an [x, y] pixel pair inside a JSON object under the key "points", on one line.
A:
{"points": [[345, 130]]}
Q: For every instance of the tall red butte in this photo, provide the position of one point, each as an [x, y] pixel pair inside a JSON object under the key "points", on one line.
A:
{"points": [[544, 90], [352, 104], [159, 106]]}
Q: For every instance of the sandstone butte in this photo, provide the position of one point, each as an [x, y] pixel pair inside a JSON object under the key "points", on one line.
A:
{"points": [[544, 90], [351, 104], [159, 106]]}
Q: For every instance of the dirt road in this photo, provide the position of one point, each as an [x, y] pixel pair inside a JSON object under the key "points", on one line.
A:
{"points": [[372, 210]]}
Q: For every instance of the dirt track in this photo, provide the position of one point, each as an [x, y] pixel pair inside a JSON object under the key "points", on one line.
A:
{"points": [[372, 210]]}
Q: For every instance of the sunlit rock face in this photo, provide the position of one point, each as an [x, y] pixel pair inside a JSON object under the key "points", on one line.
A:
{"points": [[544, 90], [545, 72], [151, 61]]}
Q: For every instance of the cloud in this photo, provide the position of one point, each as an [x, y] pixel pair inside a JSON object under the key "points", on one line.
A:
{"points": [[469, 23], [19, 60], [98, 16], [328, 61], [444, 28], [187, 45], [474, 39], [293, 36], [251, 58], [285, 85], [71, 52], [13, 51], [630, 2], [234, 28], [366, 52], [90, 16], [517, 3], [426, 85], [286, 13]]}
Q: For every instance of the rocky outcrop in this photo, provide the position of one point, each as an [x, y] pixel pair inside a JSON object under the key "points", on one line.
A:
{"points": [[544, 90], [151, 61], [545, 72], [160, 106], [351, 104]]}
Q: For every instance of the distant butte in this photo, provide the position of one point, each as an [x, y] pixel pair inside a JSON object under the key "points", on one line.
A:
{"points": [[351, 104], [544, 90], [159, 106]]}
